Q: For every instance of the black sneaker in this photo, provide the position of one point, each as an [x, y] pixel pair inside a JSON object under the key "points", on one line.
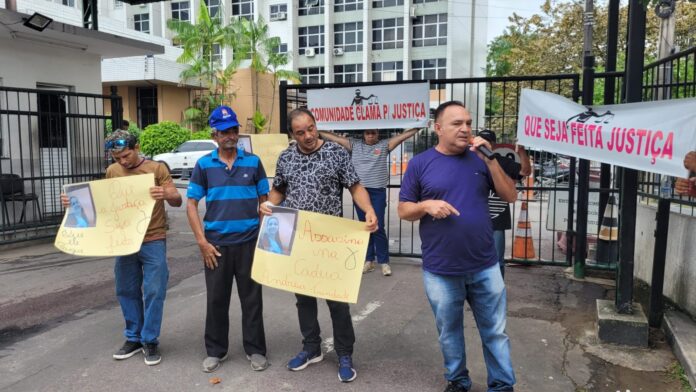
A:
{"points": [[455, 387], [152, 354], [128, 350]]}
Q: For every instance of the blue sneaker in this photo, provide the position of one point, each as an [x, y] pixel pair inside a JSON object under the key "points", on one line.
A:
{"points": [[346, 373], [303, 359]]}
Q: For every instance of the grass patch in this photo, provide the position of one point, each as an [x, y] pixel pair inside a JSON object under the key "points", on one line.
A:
{"points": [[675, 372]]}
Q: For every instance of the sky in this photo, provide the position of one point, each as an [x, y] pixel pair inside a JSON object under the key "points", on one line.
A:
{"points": [[500, 10]]}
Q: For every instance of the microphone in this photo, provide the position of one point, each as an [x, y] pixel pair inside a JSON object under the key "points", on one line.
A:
{"points": [[486, 152]]}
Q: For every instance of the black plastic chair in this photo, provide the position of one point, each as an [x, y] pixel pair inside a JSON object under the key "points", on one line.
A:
{"points": [[12, 190]]}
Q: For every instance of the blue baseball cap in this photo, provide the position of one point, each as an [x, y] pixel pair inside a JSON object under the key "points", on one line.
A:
{"points": [[223, 118]]}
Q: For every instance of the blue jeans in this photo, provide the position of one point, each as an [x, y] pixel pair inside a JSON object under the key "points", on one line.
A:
{"points": [[499, 242], [141, 285], [486, 294], [379, 244]]}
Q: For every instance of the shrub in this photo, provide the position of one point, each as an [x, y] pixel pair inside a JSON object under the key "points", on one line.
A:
{"points": [[162, 137], [203, 134]]}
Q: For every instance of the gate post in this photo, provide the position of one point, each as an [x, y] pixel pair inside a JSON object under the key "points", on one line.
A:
{"points": [[584, 169], [283, 105], [116, 109]]}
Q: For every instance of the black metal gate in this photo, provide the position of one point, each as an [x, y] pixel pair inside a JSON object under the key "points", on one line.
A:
{"points": [[493, 103], [48, 138]]}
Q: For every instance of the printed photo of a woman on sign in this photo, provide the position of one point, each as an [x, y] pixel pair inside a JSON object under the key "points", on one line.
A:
{"points": [[278, 231], [81, 212]]}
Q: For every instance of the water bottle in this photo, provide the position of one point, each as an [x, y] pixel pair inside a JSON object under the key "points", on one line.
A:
{"points": [[665, 187]]}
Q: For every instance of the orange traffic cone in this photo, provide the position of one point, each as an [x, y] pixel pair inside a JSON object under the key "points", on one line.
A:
{"points": [[404, 163], [608, 244], [523, 247], [393, 166]]}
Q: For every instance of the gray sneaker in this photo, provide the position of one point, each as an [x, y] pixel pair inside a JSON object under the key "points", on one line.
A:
{"points": [[210, 364], [258, 362]]}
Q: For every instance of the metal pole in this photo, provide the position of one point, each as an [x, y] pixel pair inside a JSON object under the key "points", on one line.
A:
{"points": [[584, 166], [609, 93], [116, 109], [659, 257], [283, 105], [629, 183]]}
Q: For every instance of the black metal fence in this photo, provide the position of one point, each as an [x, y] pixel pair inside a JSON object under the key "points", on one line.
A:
{"points": [[48, 138], [673, 77], [493, 103]]}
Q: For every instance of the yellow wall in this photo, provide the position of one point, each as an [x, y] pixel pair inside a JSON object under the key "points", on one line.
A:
{"points": [[244, 85], [171, 102]]}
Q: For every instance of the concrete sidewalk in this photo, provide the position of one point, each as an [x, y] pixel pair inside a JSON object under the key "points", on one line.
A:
{"points": [[60, 323]]}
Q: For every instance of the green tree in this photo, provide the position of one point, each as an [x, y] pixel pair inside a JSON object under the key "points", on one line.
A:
{"points": [[263, 51], [200, 42]]}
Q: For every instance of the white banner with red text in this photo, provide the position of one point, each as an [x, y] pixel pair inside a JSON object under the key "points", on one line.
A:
{"points": [[648, 136], [371, 107]]}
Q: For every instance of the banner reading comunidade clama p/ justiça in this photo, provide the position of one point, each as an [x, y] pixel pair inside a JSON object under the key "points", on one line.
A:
{"points": [[648, 136], [371, 107]]}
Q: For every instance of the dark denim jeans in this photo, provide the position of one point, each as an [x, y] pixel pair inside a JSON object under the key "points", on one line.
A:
{"points": [[141, 285], [379, 243], [342, 323], [485, 292]]}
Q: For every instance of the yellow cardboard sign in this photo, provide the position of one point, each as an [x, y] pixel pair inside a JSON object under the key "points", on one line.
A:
{"points": [[107, 217], [267, 147], [311, 254]]}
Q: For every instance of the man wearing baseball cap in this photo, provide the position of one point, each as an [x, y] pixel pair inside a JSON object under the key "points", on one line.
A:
{"points": [[500, 209], [233, 183]]}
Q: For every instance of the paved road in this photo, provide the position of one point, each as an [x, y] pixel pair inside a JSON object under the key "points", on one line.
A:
{"points": [[59, 324]]}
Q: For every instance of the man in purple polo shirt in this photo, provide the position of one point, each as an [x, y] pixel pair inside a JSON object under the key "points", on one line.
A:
{"points": [[446, 188]]}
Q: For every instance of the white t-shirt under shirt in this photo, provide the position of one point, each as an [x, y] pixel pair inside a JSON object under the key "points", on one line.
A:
{"points": [[371, 162]]}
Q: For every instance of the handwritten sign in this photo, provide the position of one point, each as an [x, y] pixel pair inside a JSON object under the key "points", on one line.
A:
{"points": [[371, 107], [268, 148], [648, 136], [319, 255], [106, 217]]}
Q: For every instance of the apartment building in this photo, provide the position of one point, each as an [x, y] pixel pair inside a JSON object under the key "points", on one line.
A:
{"points": [[330, 41]]}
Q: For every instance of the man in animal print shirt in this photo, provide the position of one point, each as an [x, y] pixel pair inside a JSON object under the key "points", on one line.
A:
{"points": [[310, 176]]}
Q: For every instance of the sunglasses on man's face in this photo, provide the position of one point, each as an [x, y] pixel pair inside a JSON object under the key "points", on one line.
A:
{"points": [[116, 144]]}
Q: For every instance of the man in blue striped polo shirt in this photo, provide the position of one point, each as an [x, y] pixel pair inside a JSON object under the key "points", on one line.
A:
{"points": [[233, 183]]}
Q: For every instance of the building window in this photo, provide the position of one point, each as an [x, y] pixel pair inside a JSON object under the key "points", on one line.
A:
{"points": [[347, 5], [217, 53], [69, 3], [141, 22], [428, 69], [388, 33], [430, 30], [243, 9], [386, 3], [282, 48], [278, 12], [213, 8], [311, 7], [348, 73], [311, 37], [349, 36], [147, 106], [181, 10], [424, 1], [312, 75], [388, 71], [118, 4]]}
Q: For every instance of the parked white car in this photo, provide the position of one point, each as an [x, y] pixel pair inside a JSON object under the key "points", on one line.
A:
{"points": [[186, 155]]}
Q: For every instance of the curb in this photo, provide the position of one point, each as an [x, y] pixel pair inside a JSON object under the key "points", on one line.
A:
{"points": [[681, 334]]}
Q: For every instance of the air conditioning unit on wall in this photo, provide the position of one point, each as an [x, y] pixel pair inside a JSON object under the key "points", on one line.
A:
{"points": [[338, 51], [309, 52], [279, 16]]}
